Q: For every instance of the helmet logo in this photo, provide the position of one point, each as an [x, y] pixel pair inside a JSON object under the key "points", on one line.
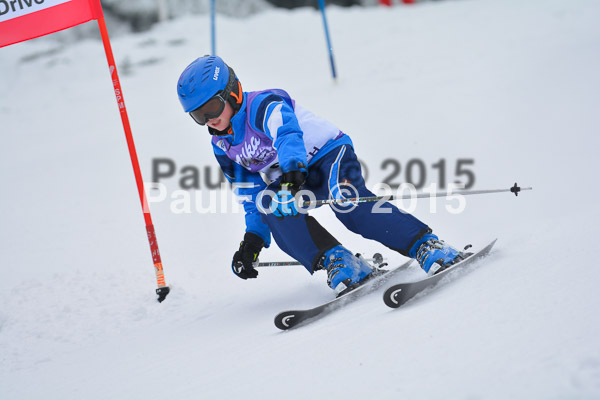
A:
{"points": [[216, 74]]}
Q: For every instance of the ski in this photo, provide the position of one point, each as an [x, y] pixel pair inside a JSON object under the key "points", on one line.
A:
{"points": [[289, 319], [398, 294]]}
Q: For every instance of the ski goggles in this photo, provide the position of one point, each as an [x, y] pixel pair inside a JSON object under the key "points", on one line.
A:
{"points": [[209, 110]]}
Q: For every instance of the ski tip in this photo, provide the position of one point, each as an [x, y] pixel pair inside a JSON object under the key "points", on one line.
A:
{"points": [[391, 297], [285, 320]]}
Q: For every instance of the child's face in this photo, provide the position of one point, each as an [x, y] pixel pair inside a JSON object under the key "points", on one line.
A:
{"points": [[222, 121]]}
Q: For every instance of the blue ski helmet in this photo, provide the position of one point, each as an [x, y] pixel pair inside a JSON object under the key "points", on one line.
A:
{"points": [[206, 77]]}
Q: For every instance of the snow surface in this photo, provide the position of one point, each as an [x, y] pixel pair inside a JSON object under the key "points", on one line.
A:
{"points": [[511, 84]]}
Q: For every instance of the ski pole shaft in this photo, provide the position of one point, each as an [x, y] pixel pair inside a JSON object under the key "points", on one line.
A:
{"points": [[213, 38], [276, 263], [515, 189], [329, 46], [377, 259]]}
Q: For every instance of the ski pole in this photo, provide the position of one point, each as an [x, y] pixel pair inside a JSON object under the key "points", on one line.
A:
{"points": [[213, 38], [377, 259], [329, 47], [515, 189]]}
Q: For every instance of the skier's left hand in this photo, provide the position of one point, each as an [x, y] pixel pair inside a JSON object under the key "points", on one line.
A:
{"points": [[283, 204]]}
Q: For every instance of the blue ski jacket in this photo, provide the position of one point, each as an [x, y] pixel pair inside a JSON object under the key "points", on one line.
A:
{"points": [[268, 136]]}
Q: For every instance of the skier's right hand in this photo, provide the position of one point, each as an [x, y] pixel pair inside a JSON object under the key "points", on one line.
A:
{"points": [[243, 259]]}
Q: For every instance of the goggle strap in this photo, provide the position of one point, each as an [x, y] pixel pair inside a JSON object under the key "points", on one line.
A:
{"points": [[230, 85]]}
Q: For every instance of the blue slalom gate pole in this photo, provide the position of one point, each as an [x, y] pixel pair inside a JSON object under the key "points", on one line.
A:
{"points": [[329, 47], [212, 27]]}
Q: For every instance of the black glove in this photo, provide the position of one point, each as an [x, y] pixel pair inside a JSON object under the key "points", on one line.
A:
{"points": [[293, 180], [250, 247]]}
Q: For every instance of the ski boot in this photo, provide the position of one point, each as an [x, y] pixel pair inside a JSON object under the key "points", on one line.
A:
{"points": [[435, 255], [344, 270]]}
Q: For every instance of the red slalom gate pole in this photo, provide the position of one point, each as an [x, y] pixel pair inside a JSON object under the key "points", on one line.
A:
{"points": [[163, 290]]}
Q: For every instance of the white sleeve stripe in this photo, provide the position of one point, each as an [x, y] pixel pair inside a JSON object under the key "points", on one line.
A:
{"points": [[266, 117], [274, 121], [267, 114]]}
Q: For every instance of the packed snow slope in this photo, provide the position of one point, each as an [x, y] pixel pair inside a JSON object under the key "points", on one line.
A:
{"points": [[511, 85]]}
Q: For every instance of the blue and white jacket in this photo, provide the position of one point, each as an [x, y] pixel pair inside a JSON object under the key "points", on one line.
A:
{"points": [[271, 135]]}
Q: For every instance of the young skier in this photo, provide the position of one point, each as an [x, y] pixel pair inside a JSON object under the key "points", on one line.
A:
{"points": [[265, 140]]}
